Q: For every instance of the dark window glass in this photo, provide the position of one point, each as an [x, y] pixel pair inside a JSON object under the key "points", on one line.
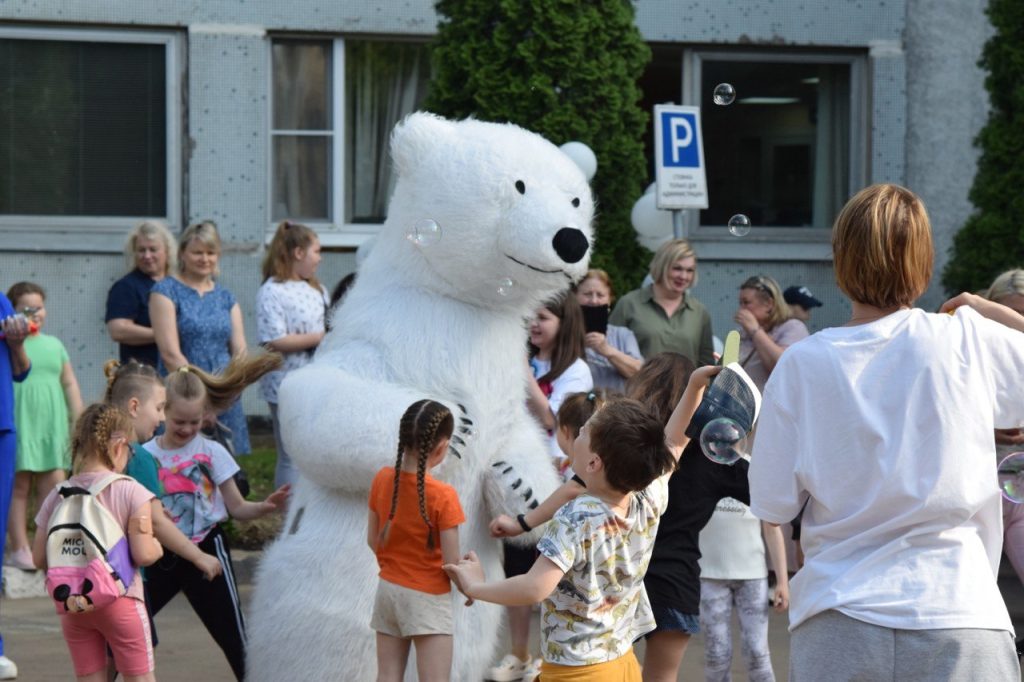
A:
{"points": [[780, 153], [83, 128]]}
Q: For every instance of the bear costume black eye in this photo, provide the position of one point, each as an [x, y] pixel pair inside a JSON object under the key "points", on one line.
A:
{"points": [[575, 202], [520, 186]]}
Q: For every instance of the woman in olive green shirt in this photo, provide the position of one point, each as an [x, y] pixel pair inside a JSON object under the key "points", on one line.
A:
{"points": [[664, 316]]}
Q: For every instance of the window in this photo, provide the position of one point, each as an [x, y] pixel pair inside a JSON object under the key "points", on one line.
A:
{"points": [[87, 134], [788, 152], [333, 107]]}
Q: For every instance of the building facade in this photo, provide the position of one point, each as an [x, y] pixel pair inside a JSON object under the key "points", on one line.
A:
{"points": [[247, 113]]}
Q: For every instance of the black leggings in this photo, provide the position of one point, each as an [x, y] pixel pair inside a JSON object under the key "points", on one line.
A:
{"points": [[216, 602]]}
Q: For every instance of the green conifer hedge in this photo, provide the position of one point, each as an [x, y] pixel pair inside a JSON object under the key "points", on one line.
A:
{"points": [[992, 240], [567, 70]]}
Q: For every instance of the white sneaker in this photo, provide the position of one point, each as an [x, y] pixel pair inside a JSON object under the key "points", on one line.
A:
{"points": [[511, 669], [8, 671], [532, 670], [20, 558]]}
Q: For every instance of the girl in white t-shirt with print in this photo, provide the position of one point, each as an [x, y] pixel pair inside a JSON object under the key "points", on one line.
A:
{"points": [[734, 576], [291, 307], [200, 492]]}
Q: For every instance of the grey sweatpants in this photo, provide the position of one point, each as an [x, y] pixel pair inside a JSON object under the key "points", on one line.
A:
{"points": [[832, 646]]}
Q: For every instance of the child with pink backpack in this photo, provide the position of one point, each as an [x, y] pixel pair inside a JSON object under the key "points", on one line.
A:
{"points": [[98, 529]]}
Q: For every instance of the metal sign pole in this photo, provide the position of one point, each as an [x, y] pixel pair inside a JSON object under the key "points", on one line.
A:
{"points": [[678, 228]]}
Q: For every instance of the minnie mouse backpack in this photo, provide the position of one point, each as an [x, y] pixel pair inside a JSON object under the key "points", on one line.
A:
{"points": [[89, 563]]}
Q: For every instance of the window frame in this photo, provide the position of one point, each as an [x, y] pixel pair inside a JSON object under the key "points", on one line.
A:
{"points": [[104, 233], [335, 232], [780, 243]]}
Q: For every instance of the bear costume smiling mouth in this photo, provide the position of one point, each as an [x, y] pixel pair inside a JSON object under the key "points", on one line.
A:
{"points": [[527, 265]]}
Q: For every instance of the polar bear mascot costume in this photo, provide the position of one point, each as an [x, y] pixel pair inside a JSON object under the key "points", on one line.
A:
{"points": [[487, 221]]}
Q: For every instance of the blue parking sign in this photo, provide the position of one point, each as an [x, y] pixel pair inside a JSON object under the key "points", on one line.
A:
{"points": [[679, 140], [679, 158]]}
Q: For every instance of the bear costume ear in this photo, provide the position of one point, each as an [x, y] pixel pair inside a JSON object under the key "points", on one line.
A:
{"points": [[415, 136]]}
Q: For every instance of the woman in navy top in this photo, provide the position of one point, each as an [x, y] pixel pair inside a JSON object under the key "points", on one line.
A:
{"points": [[151, 253]]}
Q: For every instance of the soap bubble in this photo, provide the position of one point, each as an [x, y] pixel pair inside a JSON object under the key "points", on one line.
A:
{"points": [[739, 225], [424, 232], [1011, 477], [506, 285], [724, 94], [720, 438]]}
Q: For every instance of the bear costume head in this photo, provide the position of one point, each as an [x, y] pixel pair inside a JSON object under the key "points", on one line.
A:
{"points": [[512, 214]]}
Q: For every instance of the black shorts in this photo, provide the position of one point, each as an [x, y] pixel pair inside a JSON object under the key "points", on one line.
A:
{"points": [[518, 559]]}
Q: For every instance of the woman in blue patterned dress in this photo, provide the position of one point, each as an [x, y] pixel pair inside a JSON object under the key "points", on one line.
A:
{"points": [[196, 320]]}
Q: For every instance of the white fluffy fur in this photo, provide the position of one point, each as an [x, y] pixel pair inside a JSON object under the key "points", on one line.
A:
{"points": [[420, 322]]}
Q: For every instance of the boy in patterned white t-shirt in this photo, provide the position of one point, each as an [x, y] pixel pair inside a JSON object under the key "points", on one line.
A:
{"points": [[594, 553]]}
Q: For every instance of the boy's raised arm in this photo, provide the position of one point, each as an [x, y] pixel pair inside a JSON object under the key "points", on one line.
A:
{"points": [[675, 429], [508, 527]]}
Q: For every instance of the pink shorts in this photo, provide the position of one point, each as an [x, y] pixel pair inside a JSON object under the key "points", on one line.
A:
{"points": [[123, 624]]}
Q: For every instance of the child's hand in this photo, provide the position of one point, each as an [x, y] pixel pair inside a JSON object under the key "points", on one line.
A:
{"points": [[465, 574], [504, 526], [702, 376], [209, 566], [277, 499], [781, 599]]}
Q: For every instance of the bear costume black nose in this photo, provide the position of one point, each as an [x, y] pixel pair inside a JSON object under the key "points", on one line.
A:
{"points": [[570, 244]]}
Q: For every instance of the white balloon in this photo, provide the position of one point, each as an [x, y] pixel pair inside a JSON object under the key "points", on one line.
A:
{"points": [[652, 243], [648, 220], [582, 156]]}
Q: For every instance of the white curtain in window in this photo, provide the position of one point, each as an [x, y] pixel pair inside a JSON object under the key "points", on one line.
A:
{"points": [[832, 146], [384, 83]]}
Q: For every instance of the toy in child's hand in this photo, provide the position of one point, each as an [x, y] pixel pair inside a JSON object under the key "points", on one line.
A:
{"points": [[33, 328]]}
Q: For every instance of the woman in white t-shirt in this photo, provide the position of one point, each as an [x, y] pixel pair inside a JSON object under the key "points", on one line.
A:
{"points": [[291, 306], [882, 431]]}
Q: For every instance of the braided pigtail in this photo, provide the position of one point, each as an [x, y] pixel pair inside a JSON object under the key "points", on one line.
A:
{"points": [[406, 433], [430, 432], [424, 424], [98, 424], [129, 380], [383, 536], [110, 368]]}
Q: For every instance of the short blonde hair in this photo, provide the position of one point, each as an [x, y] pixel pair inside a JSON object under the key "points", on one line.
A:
{"points": [[1005, 285], [666, 256], [151, 229], [882, 247], [206, 232], [768, 289]]}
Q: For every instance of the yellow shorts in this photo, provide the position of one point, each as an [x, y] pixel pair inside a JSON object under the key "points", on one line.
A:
{"points": [[625, 668]]}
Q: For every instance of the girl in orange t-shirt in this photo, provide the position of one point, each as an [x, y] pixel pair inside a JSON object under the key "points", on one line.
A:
{"points": [[412, 541]]}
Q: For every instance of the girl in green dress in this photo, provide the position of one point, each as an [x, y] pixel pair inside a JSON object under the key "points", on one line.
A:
{"points": [[44, 406]]}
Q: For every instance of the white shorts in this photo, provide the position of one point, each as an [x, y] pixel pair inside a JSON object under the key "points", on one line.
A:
{"points": [[403, 612]]}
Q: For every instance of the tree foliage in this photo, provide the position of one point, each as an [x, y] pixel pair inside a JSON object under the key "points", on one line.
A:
{"points": [[567, 70], [992, 239]]}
